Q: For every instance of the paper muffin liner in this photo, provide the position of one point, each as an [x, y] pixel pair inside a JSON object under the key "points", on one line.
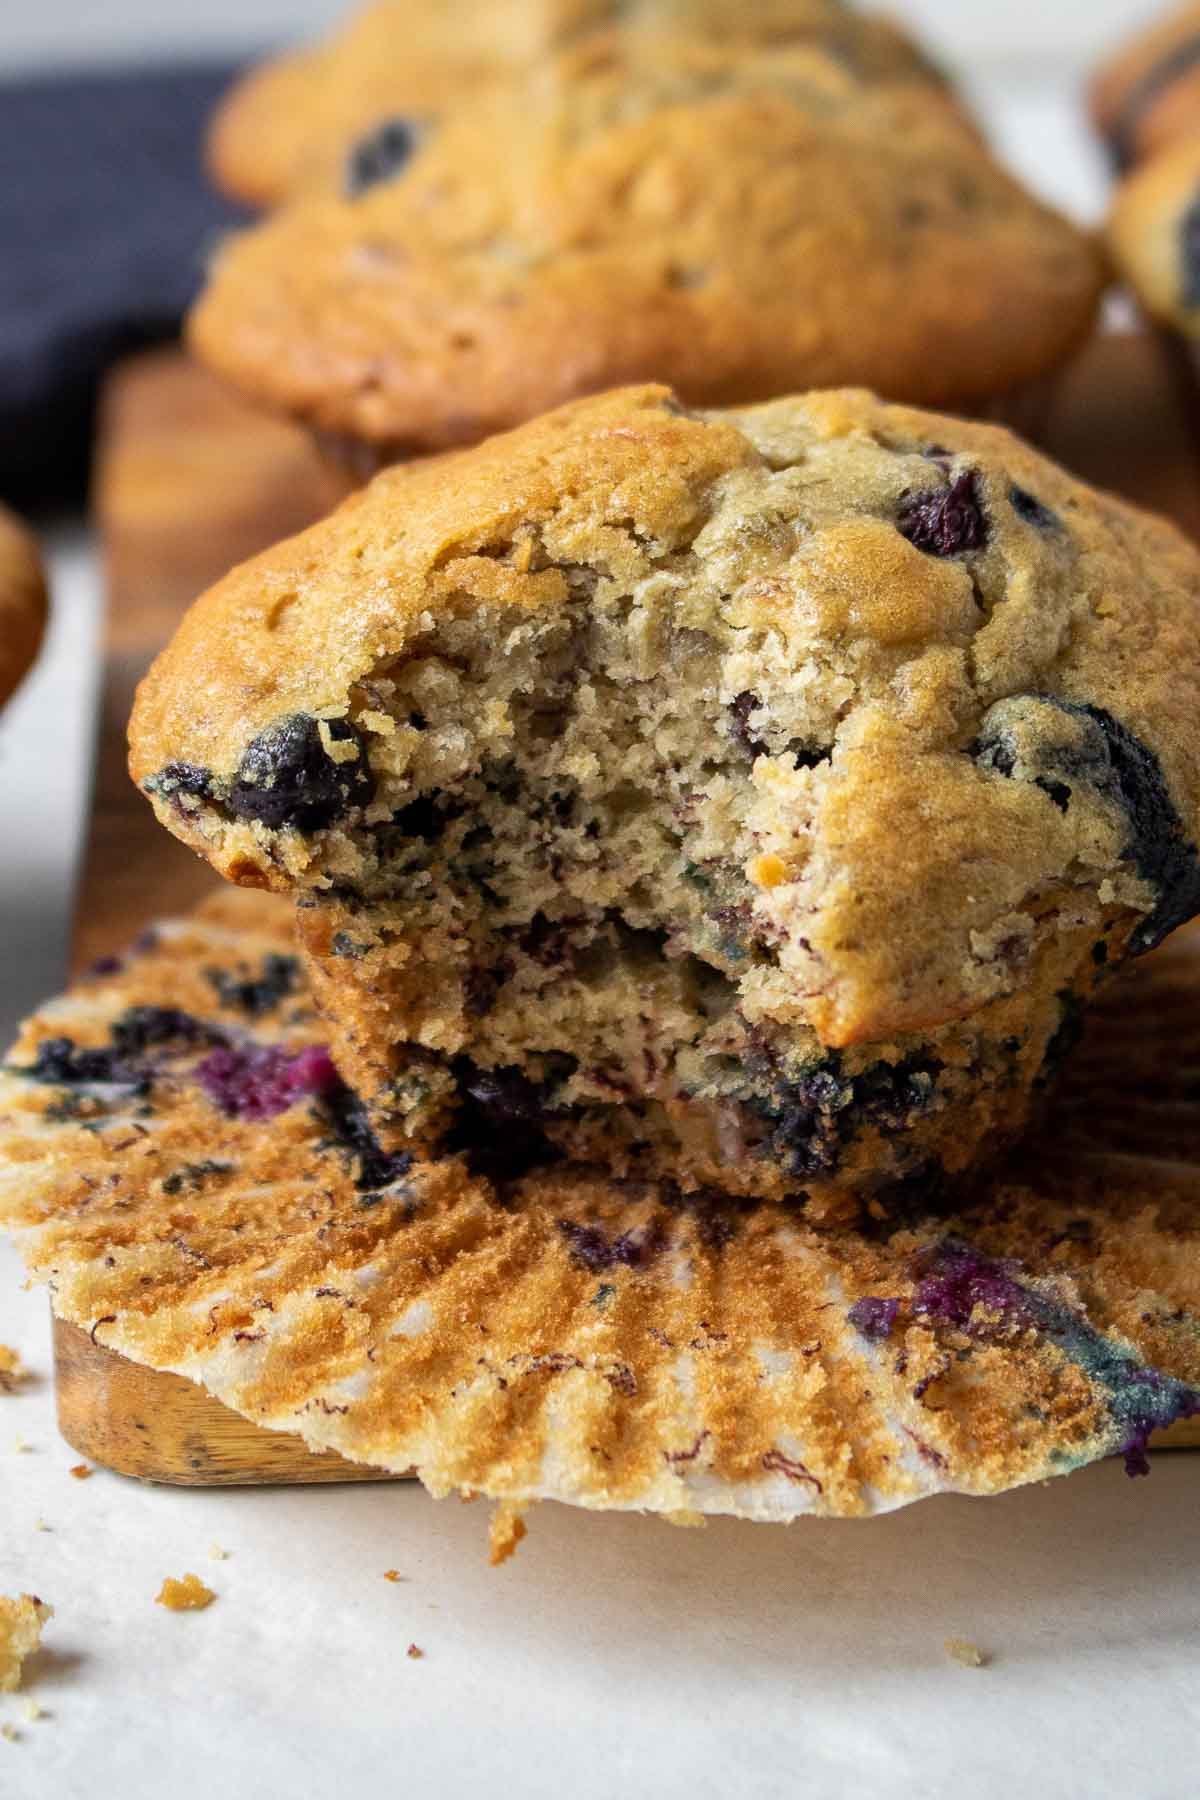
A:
{"points": [[179, 1163]]}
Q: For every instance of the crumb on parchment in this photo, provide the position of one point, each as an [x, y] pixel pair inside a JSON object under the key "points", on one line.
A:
{"points": [[505, 1533], [217, 1554], [21, 1622], [962, 1650], [187, 1595], [12, 1373], [82, 1471], [392, 1575], [414, 1653]]}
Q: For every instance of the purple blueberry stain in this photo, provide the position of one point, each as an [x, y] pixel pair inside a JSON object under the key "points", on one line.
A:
{"points": [[874, 1318], [954, 1280], [597, 1251], [259, 1081], [946, 521]]}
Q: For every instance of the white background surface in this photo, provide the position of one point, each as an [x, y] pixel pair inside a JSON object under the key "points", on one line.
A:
{"points": [[33, 31], [613, 1657]]}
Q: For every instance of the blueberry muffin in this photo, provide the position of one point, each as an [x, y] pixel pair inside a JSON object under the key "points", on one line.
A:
{"points": [[1148, 94], [398, 61], [738, 222], [22, 603], [747, 799]]}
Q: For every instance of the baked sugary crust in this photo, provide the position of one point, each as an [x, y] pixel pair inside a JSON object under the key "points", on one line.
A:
{"points": [[609, 1345], [22, 603], [293, 119], [738, 222], [842, 730]]}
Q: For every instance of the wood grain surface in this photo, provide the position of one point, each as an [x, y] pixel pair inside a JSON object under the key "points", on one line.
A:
{"points": [[189, 481], [162, 1428]]}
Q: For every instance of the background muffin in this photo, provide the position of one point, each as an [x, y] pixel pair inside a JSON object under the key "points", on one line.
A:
{"points": [[740, 223], [297, 116], [22, 603]]}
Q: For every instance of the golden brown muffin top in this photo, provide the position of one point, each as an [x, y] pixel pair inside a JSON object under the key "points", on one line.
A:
{"points": [[739, 223], [973, 635], [295, 117]]}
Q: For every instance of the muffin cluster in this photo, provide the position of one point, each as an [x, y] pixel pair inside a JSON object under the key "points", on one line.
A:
{"points": [[694, 792]]}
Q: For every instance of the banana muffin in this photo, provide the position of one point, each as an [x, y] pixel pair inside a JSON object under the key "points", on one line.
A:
{"points": [[747, 799], [296, 117], [739, 223], [22, 603]]}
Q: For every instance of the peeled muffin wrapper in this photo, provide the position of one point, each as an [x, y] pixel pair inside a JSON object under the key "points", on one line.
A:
{"points": [[201, 1197]]}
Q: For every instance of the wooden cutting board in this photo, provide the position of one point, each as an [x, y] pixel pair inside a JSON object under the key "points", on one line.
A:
{"points": [[189, 481]]}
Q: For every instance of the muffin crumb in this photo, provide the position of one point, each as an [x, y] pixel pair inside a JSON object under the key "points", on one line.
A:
{"points": [[21, 1622], [505, 1533], [963, 1651], [188, 1595]]}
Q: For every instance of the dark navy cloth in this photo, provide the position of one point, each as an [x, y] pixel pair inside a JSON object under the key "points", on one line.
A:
{"points": [[106, 219]]}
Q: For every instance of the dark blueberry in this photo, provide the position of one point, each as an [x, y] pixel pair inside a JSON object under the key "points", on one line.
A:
{"points": [[503, 1096], [260, 1081], [892, 1095], [502, 1115], [809, 756], [1020, 740], [182, 778], [806, 1130], [594, 1250], [947, 521], [1066, 1036], [1189, 255], [818, 1115], [380, 156], [873, 1318], [60, 1062], [481, 985], [286, 778], [423, 818], [740, 709], [256, 995], [1028, 507], [548, 941], [142, 1026], [347, 1115]]}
